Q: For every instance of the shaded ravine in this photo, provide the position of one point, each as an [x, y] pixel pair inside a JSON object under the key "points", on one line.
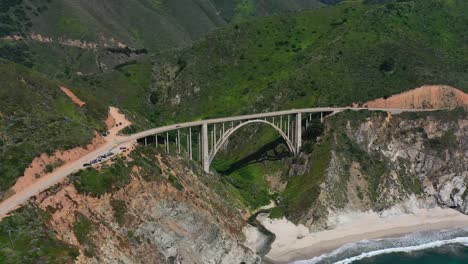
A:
{"points": [[269, 235]]}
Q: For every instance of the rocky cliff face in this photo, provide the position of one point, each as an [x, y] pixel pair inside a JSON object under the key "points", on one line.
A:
{"points": [[180, 218], [377, 160]]}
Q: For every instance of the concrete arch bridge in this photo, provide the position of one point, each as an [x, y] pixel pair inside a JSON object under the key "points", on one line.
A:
{"points": [[209, 136]]}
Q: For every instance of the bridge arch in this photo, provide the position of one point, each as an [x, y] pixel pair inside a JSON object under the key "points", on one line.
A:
{"points": [[232, 130]]}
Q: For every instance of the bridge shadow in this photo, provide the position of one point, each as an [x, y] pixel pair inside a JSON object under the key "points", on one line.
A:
{"points": [[267, 152]]}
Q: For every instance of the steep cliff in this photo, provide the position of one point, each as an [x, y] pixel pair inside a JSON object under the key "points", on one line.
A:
{"points": [[367, 161], [159, 210]]}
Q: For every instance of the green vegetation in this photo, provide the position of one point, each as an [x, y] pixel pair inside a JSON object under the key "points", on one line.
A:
{"points": [[97, 183], [37, 117], [241, 10], [310, 136], [352, 52], [72, 27], [250, 183], [118, 174], [83, 229], [244, 9], [246, 165], [126, 88], [119, 208], [18, 52], [26, 238], [13, 18], [302, 191], [154, 24], [372, 165], [449, 115], [447, 140], [175, 182]]}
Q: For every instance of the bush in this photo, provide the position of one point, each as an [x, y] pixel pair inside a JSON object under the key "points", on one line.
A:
{"points": [[314, 130], [447, 140], [176, 183], [82, 229], [119, 208], [97, 183]]}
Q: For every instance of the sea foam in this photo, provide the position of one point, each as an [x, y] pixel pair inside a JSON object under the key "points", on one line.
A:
{"points": [[409, 243]]}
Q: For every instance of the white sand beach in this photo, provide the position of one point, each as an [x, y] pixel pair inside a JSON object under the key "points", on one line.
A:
{"points": [[297, 243]]}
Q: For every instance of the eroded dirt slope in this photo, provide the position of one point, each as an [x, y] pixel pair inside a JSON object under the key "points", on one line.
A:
{"points": [[424, 97]]}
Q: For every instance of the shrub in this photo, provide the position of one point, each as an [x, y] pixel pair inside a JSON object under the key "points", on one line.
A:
{"points": [[119, 208]]}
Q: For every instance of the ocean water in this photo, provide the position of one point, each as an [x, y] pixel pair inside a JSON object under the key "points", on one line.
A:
{"points": [[448, 246]]}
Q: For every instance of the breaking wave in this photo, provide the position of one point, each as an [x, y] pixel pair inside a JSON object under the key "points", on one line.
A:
{"points": [[407, 244]]}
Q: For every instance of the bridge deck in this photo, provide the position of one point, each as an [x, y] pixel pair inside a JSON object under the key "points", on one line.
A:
{"points": [[168, 128]]}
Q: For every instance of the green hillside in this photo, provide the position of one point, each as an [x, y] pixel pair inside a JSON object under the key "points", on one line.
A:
{"points": [[348, 53], [37, 117], [154, 24]]}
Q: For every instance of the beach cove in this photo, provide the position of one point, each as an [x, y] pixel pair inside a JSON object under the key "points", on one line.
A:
{"points": [[296, 242]]}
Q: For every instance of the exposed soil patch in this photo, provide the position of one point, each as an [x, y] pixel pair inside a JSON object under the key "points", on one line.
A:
{"points": [[72, 96], [116, 122], [44, 164], [424, 97]]}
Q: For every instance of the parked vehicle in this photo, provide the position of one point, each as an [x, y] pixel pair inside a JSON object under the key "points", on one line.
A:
{"points": [[123, 148], [86, 165]]}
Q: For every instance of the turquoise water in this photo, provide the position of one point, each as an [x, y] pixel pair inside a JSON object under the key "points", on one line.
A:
{"points": [[429, 247]]}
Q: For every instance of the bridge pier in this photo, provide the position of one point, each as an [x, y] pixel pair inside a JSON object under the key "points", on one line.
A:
{"points": [[205, 158], [298, 131]]}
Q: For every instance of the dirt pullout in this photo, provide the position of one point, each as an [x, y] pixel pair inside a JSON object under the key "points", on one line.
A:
{"points": [[424, 97], [116, 122], [44, 164], [72, 96]]}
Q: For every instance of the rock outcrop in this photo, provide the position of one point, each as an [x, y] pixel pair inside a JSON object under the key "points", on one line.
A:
{"points": [[157, 221], [378, 160]]}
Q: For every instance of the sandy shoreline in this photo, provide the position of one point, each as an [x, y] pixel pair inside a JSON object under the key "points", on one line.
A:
{"points": [[297, 243]]}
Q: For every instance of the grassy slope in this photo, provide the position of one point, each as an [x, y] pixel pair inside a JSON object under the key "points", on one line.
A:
{"points": [[36, 117], [333, 56], [155, 24], [25, 238], [239, 10], [151, 24]]}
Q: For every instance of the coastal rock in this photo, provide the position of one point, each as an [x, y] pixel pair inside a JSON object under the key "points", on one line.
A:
{"points": [[378, 160], [159, 222]]}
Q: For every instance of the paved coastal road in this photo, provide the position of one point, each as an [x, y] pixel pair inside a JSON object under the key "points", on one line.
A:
{"points": [[53, 178], [113, 145]]}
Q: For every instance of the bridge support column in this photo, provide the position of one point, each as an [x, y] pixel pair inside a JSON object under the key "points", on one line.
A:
{"points": [[298, 134], [205, 159]]}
